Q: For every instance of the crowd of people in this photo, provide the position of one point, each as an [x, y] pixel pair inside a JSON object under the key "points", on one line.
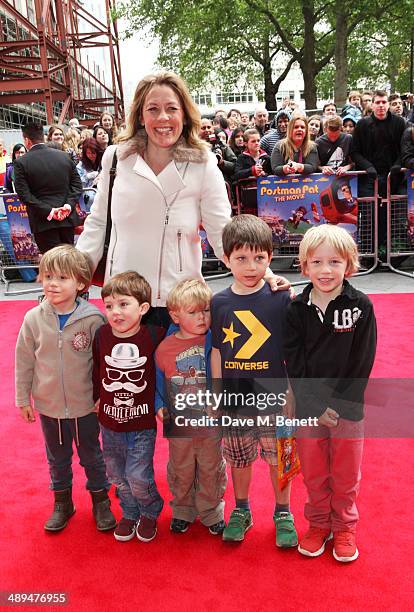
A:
{"points": [[225, 131], [373, 133], [71, 139], [236, 156]]}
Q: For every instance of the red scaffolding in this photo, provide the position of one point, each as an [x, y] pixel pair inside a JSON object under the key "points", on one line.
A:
{"points": [[44, 58]]}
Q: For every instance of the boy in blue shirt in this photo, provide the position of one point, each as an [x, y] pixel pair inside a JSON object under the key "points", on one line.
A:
{"points": [[247, 324]]}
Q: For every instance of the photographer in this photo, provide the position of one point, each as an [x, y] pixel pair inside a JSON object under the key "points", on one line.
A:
{"points": [[226, 159]]}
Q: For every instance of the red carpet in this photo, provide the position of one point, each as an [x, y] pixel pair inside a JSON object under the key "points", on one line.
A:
{"points": [[196, 571]]}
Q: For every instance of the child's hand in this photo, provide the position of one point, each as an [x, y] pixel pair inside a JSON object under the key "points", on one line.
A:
{"points": [[329, 418], [27, 414], [96, 409]]}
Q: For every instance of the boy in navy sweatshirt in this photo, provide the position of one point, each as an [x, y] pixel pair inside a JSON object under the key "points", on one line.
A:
{"points": [[330, 349], [248, 321]]}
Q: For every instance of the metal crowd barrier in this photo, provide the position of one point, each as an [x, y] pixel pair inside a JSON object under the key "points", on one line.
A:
{"points": [[11, 266], [400, 241], [367, 229]]}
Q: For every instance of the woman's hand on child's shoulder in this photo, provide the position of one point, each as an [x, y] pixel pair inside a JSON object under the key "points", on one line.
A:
{"points": [[276, 283]]}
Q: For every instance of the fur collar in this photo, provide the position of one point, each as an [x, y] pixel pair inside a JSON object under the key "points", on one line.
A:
{"points": [[182, 152]]}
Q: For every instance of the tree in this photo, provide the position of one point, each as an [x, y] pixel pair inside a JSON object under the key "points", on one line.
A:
{"points": [[333, 41], [237, 38]]}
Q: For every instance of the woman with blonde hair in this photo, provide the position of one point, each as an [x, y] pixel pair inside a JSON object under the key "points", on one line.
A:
{"points": [[295, 154], [167, 184], [85, 133], [71, 144]]}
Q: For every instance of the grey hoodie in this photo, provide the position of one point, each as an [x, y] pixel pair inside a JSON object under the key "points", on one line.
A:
{"points": [[54, 366]]}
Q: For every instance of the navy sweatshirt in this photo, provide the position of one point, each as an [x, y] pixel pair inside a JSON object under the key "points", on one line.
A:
{"points": [[329, 361]]}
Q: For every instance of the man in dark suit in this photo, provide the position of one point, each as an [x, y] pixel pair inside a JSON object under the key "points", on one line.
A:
{"points": [[48, 183]]}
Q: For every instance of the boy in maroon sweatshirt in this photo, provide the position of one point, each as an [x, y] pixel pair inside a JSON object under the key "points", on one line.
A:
{"points": [[124, 387]]}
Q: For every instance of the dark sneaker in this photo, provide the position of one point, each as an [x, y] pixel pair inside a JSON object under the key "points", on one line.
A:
{"points": [[286, 536], [217, 528], [313, 542], [179, 525], [146, 529], [125, 530], [344, 548], [240, 521]]}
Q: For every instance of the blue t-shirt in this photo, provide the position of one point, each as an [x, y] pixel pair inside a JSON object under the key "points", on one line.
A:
{"points": [[64, 317], [248, 331]]}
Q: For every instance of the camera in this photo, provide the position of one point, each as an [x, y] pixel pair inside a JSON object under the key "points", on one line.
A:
{"points": [[217, 146]]}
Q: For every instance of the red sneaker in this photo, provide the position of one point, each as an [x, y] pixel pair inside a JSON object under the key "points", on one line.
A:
{"points": [[345, 549], [146, 528], [313, 542]]}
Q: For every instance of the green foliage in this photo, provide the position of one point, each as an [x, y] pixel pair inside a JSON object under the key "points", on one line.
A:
{"points": [[239, 40]]}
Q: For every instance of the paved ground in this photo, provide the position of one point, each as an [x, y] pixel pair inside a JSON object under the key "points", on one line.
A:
{"points": [[379, 281]]}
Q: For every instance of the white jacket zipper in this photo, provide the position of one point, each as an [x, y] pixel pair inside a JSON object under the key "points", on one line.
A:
{"points": [[180, 257], [166, 219]]}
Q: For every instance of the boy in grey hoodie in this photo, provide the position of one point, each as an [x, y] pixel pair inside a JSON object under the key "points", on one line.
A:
{"points": [[54, 376]]}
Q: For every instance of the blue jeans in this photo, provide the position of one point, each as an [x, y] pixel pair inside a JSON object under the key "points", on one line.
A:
{"points": [[129, 463], [59, 455]]}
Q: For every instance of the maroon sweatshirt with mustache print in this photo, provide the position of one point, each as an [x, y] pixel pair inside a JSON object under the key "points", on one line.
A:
{"points": [[124, 378]]}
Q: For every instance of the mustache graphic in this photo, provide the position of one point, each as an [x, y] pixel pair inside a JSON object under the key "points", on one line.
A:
{"points": [[129, 386]]}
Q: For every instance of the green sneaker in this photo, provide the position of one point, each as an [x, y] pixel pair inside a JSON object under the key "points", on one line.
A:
{"points": [[240, 521], [286, 536]]}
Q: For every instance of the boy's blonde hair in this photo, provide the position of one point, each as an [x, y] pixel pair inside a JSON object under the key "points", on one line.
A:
{"points": [[66, 259], [128, 283], [336, 237], [189, 293]]}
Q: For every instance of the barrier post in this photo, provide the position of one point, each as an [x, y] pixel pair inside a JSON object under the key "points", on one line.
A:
{"points": [[397, 228], [10, 261]]}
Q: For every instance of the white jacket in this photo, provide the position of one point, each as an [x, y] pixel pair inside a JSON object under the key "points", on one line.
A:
{"points": [[155, 219]]}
